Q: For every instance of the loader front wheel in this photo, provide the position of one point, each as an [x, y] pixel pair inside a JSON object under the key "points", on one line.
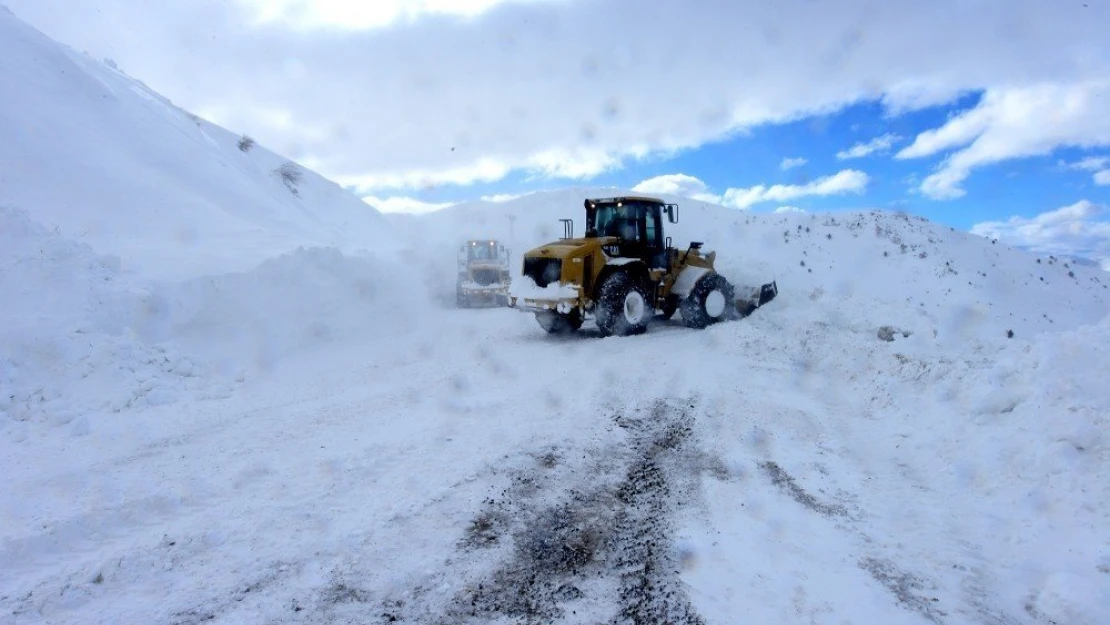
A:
{"points": [[709, 302], [623, 306]]}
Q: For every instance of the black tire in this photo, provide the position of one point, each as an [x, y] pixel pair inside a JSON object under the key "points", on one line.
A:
{"points": [[703, 306], [559, 323], [624, 306]]}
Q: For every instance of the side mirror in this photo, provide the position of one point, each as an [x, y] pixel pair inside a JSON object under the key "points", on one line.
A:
{"points": [[672, 213]]}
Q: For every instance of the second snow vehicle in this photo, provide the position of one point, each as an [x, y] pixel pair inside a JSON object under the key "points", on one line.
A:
{"points": [[483, 274], [623, 272]]}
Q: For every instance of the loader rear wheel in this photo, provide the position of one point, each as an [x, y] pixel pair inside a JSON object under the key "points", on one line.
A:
{"points": [[709, 302], [623, 306], [559, 323]]}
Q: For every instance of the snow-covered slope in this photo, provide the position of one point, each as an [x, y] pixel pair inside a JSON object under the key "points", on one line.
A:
{"points": [[111, 163], [145, 258]]}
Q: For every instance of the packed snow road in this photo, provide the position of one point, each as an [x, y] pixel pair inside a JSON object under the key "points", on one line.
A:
{"points": [[775, 469], [361, 458]]}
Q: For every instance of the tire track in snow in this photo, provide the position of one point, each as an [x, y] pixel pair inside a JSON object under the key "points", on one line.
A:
{"points": [[965, 593], [586, 542], [619, 532]]}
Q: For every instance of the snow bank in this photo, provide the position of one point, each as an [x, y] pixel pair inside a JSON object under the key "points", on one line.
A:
{"points": [[288, 304], [78, 338], [68, 343]]}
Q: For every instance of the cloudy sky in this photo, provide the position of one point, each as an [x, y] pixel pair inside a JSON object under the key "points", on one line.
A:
{"points": [[982, 114]]}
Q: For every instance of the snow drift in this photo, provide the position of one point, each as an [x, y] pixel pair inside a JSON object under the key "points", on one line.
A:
{"points": [[151, 257], [77, 337]]}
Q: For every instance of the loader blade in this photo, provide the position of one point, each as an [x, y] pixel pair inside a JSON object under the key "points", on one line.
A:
{"points": [[767, 292], [746, 305]]}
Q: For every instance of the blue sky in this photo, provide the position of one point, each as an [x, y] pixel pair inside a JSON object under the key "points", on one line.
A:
{"points": [[994, 111], [1022, 187]]}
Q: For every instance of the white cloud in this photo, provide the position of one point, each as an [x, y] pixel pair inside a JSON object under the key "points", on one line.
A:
{"points": [[1011, 123], [845, 181], [487, 170], [789, 209], [1074, 230], [574, 164], [1100, 165], [402, 204], [678, 184], [357, 15], [790, 163], [521, 83], [1091, 163], [502, 197], [878, 144]]}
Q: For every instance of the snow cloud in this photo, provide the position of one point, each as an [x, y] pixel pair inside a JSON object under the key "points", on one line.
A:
{"points": [[1075, 230], [486, 170], [1011, 123], [402, 95], [402, 204], [678, 184], [497, 198], [843, 182], [353, 15], [876, 145], [790, 163]]}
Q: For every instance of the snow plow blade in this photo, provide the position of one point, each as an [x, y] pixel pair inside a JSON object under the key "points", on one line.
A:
{"points": [[757, 298]]}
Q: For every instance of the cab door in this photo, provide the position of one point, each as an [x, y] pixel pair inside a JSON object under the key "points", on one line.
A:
{"points": [[654, 248]]}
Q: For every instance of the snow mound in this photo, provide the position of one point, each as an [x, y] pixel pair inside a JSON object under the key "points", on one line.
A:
{"points": [[288, 304], [77, 338], [67, 339]]}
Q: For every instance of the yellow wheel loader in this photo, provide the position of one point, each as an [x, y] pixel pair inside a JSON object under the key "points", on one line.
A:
{"points": [[624, 272], [483, 274]]}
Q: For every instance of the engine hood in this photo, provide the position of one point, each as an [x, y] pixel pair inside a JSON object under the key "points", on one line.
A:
{"points": [[566, 248]]}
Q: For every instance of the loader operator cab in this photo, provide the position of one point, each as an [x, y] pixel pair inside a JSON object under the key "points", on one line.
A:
{"points": [[484, 250], [637, 222]]}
